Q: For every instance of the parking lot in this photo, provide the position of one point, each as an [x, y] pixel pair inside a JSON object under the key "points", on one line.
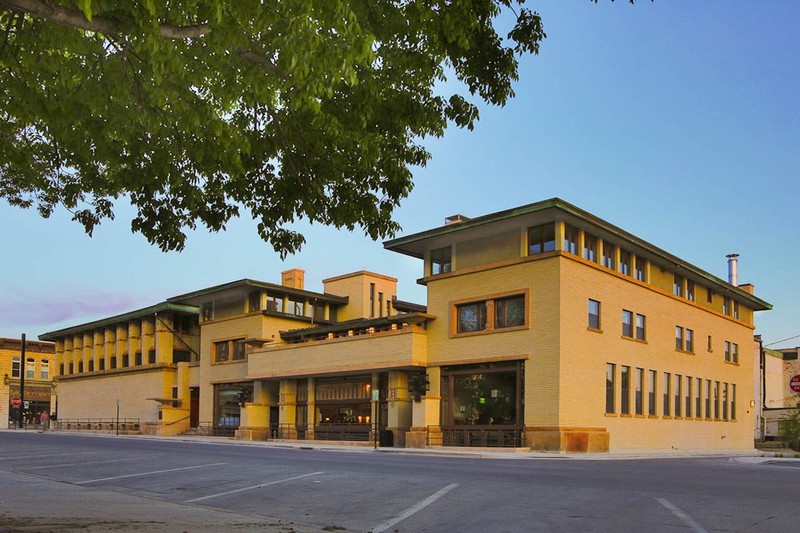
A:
{"points": [[59, 482]]}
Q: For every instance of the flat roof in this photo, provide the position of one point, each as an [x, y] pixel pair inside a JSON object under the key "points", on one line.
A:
{"points": [[416, 244], [131, 315], [246, 283]]}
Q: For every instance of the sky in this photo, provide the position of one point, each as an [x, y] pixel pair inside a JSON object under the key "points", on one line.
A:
{"points": [[675, 120]]}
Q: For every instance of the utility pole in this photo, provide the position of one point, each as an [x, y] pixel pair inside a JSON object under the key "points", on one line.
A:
{"points": [[21, 412]]}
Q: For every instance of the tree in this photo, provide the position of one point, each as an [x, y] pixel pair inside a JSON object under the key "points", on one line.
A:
{"points": [[197, 110]]}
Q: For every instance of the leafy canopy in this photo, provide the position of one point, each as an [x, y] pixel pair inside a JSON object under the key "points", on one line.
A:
{"points": [[198, 109]]}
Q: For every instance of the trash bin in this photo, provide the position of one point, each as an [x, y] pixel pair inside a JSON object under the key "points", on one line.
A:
{"points": [[386, 438]]}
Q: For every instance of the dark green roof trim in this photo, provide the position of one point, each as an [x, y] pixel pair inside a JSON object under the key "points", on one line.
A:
{"points": [[132, 315], [359, 323], [399, 244], [262, 285]]}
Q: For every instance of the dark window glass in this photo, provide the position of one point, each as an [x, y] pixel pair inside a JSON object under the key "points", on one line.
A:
{"points": [[610, 387], [641, 327], [594, 314], [441, 260], [627, 323], [471, 317], [541, 239], [509, 312], [570, 239], [221, 351], [625, 386]]}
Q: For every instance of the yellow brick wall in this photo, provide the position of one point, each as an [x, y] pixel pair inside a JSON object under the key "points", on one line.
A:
{"points": [[96, 397], [478, 252], [356, 286], [584, 355]]}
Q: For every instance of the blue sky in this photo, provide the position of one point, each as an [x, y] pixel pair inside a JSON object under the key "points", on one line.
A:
{"points": [[675, 120]]}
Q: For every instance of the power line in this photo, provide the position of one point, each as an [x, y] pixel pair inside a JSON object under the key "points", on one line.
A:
{"points": [[782, 340]]}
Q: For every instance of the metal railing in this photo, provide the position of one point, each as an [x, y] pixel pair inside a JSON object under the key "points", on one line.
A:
{"points": [[346, 432], [479, 437], [96, 424], [210, 430]]}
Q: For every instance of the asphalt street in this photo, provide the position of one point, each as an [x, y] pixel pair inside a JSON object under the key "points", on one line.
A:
{"points": [[69, 482]]}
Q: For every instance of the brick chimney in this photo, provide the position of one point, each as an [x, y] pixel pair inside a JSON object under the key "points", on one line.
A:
{"points": [[293, 278]]}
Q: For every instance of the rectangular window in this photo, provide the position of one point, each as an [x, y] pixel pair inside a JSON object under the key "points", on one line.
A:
{"points": [[727, 351], [689, 382], [625, 262], [208, 311], [716, 400], [733, 401], [625, 387], [640, 268], [471, 317], [690, 290], [509, 312], [102, 364], [221, 352], [678, 394], [689, 340], [709, 296], [640, 327], [275, 303], [590, 247], [441, 260], [638, 393], [570, 239], [677, 285], [112, 363], [698, 398], [125, 361], [627, 323], [30, 368], [254, 301], [16, 367], [594, 314], [239, 350], [735, 353], [296, 307], [371, 300], [724, 401], [151, 357], [80, 367], [708, 398], [651, 392], [610, 386], [44, 369], [667, 391], [91, 365], [380, 304], [541, 239], [735, 309], [709, 344], [137, 359], [678, 338], [726, 306], [609, 252]]}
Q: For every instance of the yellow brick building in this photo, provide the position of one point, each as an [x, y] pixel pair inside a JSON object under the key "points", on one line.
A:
{"points": [[545, 327], [138, 367], [35, 369]]}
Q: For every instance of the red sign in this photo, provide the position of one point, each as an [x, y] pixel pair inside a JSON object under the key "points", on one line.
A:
{"points": [[16, 402], [794, 383]]}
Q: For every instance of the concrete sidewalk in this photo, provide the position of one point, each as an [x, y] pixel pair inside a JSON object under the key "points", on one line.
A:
{"points": [[477, 453]]}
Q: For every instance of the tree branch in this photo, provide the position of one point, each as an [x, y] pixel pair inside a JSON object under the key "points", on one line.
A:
{"points": [[76, 19]]}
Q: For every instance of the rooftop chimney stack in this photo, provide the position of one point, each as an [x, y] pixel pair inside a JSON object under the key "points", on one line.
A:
{"points": [[733, 269]]}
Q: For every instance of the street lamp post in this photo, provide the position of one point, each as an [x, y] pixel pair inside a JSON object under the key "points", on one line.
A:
{"points": [[21, 412]]}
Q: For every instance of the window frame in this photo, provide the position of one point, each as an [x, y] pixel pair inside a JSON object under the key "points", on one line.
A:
{"points": [[489, 321], [441, 260], [611, 388], [627, 324], [597, 326], [542, 237], [640, 332]]}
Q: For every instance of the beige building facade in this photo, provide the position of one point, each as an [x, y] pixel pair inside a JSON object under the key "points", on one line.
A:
{"points": [[36, 369], [545, 328]]}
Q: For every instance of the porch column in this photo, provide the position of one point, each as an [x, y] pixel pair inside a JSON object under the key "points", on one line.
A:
{"points": [[254, 415], [425, 430], [399, 407], [311, 415], [287, 402]]}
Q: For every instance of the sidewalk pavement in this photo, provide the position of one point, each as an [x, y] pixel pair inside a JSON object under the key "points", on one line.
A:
{"points": [[744, 455]]}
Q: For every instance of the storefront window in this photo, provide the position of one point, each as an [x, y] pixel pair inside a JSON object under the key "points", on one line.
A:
{"points": [[481, 395]]}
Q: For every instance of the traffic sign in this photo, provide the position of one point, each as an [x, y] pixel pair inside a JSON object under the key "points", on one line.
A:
{"points": [[16, 402], [794, 383]]}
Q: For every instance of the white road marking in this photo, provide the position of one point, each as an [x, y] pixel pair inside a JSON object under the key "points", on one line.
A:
{"points": [[251, 488], [683, 515], [146, 473], [59, 465], [413, 509], [39, 456]]}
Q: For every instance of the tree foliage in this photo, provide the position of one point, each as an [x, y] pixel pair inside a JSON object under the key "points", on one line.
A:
{"points": [[199, 110]]}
